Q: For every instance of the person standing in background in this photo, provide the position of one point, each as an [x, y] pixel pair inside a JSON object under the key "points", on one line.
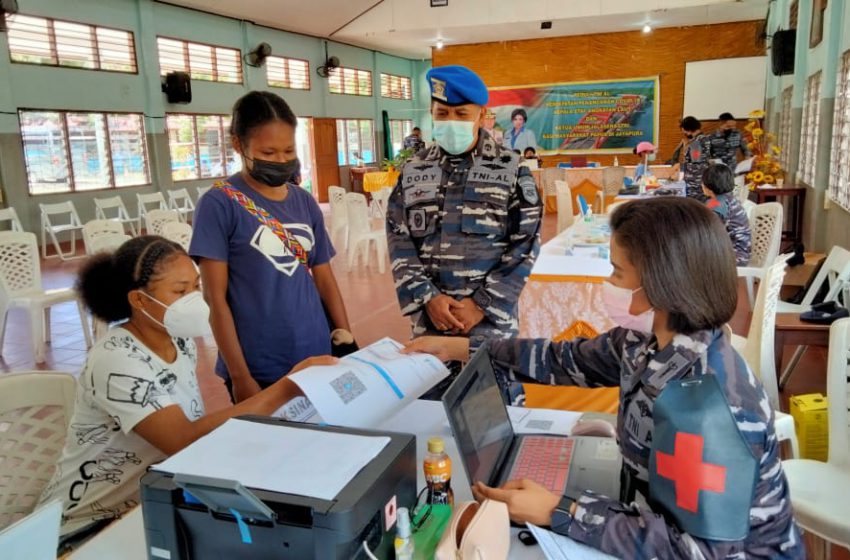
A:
{"points": [[414, 140], [727, 141], [697, 148]]}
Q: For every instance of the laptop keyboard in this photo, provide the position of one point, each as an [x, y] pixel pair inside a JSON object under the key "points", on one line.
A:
{"points": [[545, 460]]}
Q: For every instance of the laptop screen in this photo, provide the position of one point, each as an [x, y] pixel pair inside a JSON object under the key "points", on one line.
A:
{"points": [[479, 419]]}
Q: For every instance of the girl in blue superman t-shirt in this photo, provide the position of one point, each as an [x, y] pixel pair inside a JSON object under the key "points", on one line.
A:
{"points": [[265, 255]]}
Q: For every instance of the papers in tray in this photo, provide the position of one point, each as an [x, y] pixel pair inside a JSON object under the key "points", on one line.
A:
{"points": [[370, 385], [276, 458]]}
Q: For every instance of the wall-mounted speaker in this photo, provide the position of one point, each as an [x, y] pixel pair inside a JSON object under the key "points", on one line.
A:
{"points": [[782, 49], [177, 87]]}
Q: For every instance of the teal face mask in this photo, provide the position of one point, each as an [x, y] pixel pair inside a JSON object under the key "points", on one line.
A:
{"points": [[455, 137]]}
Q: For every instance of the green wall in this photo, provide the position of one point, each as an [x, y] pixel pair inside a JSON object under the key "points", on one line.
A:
{"points": [[44, 87], [823, 228]]}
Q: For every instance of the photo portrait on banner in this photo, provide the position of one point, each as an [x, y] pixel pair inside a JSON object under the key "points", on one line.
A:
{"points": [[611, 116]]}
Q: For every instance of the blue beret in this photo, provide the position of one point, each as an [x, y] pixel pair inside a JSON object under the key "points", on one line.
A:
{"points": [[456, 85]]}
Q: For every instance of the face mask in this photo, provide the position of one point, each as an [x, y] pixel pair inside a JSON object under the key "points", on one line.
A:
{"points": [[187, 317], [273, 173], [689, 136], [650, 156], [455, 137], [727, 133], [618, 301]]}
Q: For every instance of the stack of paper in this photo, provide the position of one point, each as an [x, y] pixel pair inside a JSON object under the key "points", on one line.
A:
{"points": [[559, 547]]}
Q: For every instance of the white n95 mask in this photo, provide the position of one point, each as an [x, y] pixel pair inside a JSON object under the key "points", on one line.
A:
{"points": [[618, 301], [187, 317], [455, 137]]}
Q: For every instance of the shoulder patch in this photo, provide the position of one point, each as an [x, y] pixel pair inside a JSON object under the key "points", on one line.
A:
{"points": [[528, 188]]}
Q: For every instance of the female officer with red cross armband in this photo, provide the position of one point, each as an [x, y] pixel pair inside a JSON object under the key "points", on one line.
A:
{"points": [[701, 471]]}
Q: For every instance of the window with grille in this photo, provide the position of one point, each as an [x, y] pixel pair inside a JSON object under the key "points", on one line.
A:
{"points": [[202, 62], [200, 147], [350, 81], [785, 127], [292, 73], [68, 151], [36, 40], [399, 130], [395, 87], [839, 177], [355, 141], [811, 124]]}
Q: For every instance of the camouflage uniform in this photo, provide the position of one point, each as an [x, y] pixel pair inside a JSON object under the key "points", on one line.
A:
{"points": [[628, 528], [726, 148], [413, 141], [464, 226], [697, 157], [734, 217]]}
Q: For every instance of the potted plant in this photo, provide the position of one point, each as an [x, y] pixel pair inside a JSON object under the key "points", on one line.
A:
{"points": [[397, 161], [766, 167]]}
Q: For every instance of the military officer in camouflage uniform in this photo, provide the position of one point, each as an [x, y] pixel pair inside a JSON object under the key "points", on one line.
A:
{"points": [[727, 141], [701, 472], [697, 148], [463, 221], [414, 140], [718, 185]]}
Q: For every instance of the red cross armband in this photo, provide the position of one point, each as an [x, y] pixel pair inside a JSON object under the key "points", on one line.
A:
{"points": [[702, 473]]}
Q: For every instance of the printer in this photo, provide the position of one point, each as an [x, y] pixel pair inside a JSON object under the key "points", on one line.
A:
{"points": [[198, 518]]}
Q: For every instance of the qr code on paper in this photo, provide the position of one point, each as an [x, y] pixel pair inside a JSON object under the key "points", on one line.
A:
{"points": [[348, 387]]}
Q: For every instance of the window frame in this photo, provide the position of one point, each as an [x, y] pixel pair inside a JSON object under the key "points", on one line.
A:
{"points": [[786, 98], [344, 140], [810, 128], [340, 71], [69, 157], [401, 79], [839, 163], [187, 59], [286, 60], [51, 31], [404, 135], [226, 145]]}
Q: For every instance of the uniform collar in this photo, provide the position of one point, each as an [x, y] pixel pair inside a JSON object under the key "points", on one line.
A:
{"points": [[685, 353]]}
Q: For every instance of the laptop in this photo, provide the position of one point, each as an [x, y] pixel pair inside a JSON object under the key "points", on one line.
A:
{"points": [[492, 453], [35, 537]]}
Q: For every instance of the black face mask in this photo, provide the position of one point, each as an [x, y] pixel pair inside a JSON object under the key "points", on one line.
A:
{"points": [[272, 173], [728, 132], [689, 136]]}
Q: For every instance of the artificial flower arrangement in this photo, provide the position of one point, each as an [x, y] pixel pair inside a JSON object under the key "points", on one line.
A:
{"points": [[766, 167]]}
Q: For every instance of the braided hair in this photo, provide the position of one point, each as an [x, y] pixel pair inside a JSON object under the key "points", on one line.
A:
{"points": [[257, 108], [107, 278]]}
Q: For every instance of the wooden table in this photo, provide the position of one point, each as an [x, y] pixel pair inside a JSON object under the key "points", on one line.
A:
{"points": [[790, 330], [792, 228], [355, 177]]}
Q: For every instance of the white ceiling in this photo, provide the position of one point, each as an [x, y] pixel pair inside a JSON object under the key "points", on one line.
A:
{"points": [[411, 27]]}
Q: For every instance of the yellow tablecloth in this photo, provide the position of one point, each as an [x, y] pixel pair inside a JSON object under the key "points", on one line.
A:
{"points": [[377, 180]]}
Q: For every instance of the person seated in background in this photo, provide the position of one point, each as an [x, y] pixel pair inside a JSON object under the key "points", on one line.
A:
{"points": [[414, 140], [531, 159], [138, 399], [718, 185], [699, 480], [645, 151]]}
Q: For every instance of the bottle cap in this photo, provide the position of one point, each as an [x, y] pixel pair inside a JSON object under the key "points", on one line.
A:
{"points": [[436, 445], [403, 527]]}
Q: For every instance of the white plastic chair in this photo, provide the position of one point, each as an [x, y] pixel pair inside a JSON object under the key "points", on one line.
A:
{"points": [[103, 208], [9, 215], [146, 203], [99, 228], [180, 201], [201, 191], [379, 202], [339, 216], [109, 242], [35, 412], [612, 184], [50, 214], [564, 198], [741, 191], [836, 272], [155, 219], [820, 492], [20, 286], [757, 348], [749, 207], [766, 231], [361, 235], [178, 232]]}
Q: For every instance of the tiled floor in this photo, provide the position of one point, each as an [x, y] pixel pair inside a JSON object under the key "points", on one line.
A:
{"points": [[372, 309]]}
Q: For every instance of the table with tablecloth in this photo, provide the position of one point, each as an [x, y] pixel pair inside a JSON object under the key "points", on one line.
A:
{"points": [[377, 180], [565, 287], [585, 181]]}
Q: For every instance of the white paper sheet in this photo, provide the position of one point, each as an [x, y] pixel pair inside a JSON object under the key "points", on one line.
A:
{"points": [[744, 166], [298, 461], [559, 547], [370, 385]]}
